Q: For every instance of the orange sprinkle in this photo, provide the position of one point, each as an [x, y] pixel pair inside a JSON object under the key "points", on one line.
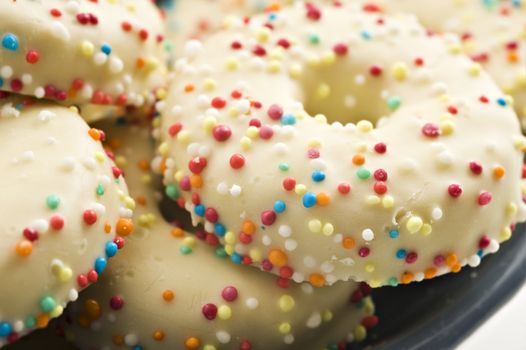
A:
{"points": [[513, 57], [451, 260], [273, 7], [118, 340], [42, 320], [115, 143], [140, 62], [177, 232], [168, 295], [94, 133], [24, 248], [358, 159], [323, 199], [430, 272], [192, 343], [141, 200], [317, 280], [189, 88], [124, 227], [93, 310], [248, 227], [72, 93], [107, 228], [456, 268], [407, 277], [277, 258], [143, 164], [499, 172], [196, 181], [84, 321], [158, 335], [162, 166], [348, 242]]}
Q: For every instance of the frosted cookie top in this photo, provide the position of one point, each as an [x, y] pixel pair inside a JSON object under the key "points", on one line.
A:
{"points": [[341, 143], [63, 204], [80, 51]]}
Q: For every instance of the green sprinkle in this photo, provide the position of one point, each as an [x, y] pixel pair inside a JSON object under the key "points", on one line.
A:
{"points": [[363, 173], [185, 250], [30, 322], [52, 201], [172, 191], [283, 167], [47, 304], [394, 102], [314, 39], [221, 253], [393, 281], [100, 190]]}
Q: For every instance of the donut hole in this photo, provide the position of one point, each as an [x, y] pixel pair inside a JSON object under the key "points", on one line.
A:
{"points": [[343, 93]]}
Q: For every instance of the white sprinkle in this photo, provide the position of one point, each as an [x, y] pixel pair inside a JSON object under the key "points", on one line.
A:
{"points": [[39, 92], [314, 320], [235, 190], [89, 163], [474, 260], [327, 267], [192, 48], [45, 115], [266, 240], [68, 164], [419, 276], [445, 158], [59, 31], [291, 245], [359, 79], [252, 303], [298, 277], [284, 231], [8, 111], [116, 65], [368, 234], [131, 339], [27, 79], [99, 208], [223, 337], [18, 326], [493, 246], [307, 288], [437, 213], [288, 339], [100, 58], [73, 295], [6, 72], [281, 148], [309, 261], [222, 188], [40, 225]]}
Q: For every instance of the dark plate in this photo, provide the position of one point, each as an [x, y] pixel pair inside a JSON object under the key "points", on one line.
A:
{"points": [[435, 314]]}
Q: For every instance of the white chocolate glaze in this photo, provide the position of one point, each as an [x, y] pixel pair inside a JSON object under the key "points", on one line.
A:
{"points": [[63, 201], [101, 52], [156, 293], [269, 139]]}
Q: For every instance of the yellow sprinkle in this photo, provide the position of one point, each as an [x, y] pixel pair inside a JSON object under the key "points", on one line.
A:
{"points": [[209, 84], [328, 229], [373, 200], [300, 189], [151, 63], [209, 347], [87, 48], [455, 49], [399, 71], [229, 249], [263, 35], [370, 268], [320, 118], [65, 274], [163, 149], [323, 91], [255, 255], [161, 94], [446, 116], [374, 283], [230, 237], [129, 202], [505, 234], [387, 202], [178, 176], [360, 333], [276, 54], [224, 312], [100, 157], [511, 209], [314, 226], [426, 229], [57, 311], [520, 143], [361, 147], [328, 58], [246, 143], [313, 61], [365, 126], [252, 132], [447, 127], [183, 136], [231, 64], [274, 66], [295, 71], [233, 112], [369, 306], [209, 123], [189, 242], [286, 303], [475, 69], [314, 143], [414, 224], [284, 328], [327, 316]]}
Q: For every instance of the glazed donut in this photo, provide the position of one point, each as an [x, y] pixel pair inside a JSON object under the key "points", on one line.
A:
{"points": [[492, 32], [63, 202], [269, 138], [102, 52], [168, 290]]}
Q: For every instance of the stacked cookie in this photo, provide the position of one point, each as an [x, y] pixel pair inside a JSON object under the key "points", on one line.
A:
{"points": [[326, 144]]}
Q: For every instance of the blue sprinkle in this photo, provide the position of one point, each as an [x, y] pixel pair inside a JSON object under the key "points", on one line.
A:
{"points": [[199, 210], [516, 3], [480, 253], [288, 119], [309, 200], [272, 17], [100, 265], [10, 42], [236, 258], [5, 329], [401, 253], [1, 82], [366, 35], [137, 347], [111, 249], [502, 102], [279, 207], [106, 49], [394, 233], [318, 176], [220, 229]]}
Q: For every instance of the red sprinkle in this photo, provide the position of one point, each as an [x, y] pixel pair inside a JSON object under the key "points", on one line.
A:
{"points": [[484, 198], [229, 293], [237, 161], [454, 190], [268, 217], [90, 217], [431, 130], [221, 133], [209, 311], [475, 168]]}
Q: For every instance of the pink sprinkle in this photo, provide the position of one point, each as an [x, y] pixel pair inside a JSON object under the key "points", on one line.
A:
{"points": [[313, 153], [454, 190], [340, 49], [380, 175], [229, 293], [363, 252], [484, 198], [266, 132], [275, 112], [221, 133], [475, 168], [439, 260], [431, 130], [211, 215], [268, 217]]}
